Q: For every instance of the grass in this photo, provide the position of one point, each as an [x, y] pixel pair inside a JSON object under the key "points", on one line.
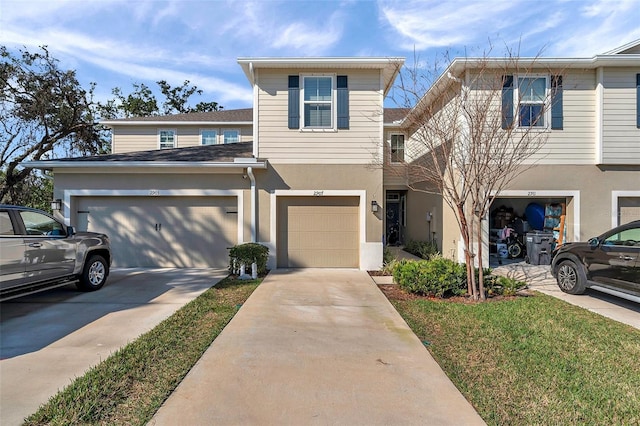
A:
{"points": [[130, 385], [533, 360]]}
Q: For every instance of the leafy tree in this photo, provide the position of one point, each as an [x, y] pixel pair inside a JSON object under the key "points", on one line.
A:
{"points": [[44, 113], [143, 103]]}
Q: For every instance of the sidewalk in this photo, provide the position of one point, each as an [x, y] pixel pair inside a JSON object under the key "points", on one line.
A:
{"points": [[317, 346]]}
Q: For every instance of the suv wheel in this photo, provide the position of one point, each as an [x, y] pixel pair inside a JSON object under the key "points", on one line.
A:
{"points": [[94, 273], [571, 278]]}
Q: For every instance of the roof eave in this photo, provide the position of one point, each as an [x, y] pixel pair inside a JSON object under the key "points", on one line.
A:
{"points": [[54, 164], [110, 123]]}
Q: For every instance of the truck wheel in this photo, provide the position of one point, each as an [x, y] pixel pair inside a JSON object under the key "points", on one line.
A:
{"points": [[571, 278], [94, 273]]}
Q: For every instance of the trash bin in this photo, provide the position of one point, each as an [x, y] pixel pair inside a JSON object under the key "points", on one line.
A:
{"points": [[539, 245]]}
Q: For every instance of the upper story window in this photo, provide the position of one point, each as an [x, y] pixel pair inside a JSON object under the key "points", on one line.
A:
{"points": [[532, 101], [231, 135], [167, 138], [321, 100], [397, 148], [532, 98], [318, 102], [208, 136]]}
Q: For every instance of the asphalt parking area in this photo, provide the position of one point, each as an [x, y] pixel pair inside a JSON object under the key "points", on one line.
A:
{"points": [[50, 338]]}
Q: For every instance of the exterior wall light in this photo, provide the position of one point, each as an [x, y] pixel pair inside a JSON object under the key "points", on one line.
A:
{"points": [[56, 204], [374, 206]]}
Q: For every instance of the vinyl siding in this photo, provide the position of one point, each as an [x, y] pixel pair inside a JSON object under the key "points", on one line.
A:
{"points": [[356, 145], [621, 137], [143, 138]]}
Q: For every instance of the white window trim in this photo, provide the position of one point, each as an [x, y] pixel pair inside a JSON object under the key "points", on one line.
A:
{"points": [[222, 141], [210, 129], [175, 137], [546, 103], [334, 112], [404, 150], [615, 207]]}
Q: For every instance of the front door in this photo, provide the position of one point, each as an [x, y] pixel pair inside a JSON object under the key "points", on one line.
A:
{"points": [[395, 213]]}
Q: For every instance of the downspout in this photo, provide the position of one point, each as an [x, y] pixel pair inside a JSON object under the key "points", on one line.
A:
{"points": [[254, 201]]}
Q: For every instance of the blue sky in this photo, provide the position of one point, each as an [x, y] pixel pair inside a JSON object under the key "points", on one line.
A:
{"points": [[118, 42]]}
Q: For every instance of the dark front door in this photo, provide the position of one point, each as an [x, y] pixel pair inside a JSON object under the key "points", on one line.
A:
{"points": [[394, 212]]}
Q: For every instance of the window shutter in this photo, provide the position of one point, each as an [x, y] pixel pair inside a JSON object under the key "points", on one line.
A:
{"points": [[556, 102], [343, 102], [294, 102], [638, 100], [507, 101]]}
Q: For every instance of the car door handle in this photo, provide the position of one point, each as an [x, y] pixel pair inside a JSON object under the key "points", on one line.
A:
{"points": [[625, 257], [36, 245]]}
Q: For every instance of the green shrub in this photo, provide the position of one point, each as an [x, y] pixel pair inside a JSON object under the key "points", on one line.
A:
{"points": [[246, 254], [422, 249], [505, 286], [438, 277]]}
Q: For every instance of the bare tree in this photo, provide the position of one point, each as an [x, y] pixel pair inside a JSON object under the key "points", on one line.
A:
{"points": [[472, 130]]}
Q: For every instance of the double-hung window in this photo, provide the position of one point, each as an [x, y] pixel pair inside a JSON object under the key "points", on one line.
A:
{"points": [[397, 148], [532, 101], [167, 138], [318, 101], [532, 97], [231, 135], [208, 136]]}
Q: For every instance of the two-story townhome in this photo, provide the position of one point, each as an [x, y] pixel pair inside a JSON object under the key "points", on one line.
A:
{"points": [[301, 171]]}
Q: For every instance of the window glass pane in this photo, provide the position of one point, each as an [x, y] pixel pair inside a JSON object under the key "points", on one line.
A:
{"points": [[167, 139], [209, 137], [531, 115], [397, 148], [317, 115], [6, 228], [39, 224], [317, 89], [532, 89], [231, 136]]}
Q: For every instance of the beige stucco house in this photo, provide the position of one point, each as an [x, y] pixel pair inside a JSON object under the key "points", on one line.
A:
{"points": [[301, 171]]}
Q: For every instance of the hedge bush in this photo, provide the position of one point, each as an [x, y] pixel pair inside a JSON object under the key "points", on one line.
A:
{"points": [[438, 277], [246, 254]]}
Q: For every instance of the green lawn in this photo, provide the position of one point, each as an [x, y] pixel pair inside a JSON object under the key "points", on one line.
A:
{"points": [[533, 360], [129, 386]]}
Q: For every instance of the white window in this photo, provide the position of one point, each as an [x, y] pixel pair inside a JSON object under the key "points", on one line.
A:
{"points": [[231, 135], [167, 138], [317, 105], [208, 136], [397, 148], [532, 99]]}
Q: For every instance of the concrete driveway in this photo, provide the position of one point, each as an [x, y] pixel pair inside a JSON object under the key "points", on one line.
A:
{"points": [[48, 339], [317, 347]]}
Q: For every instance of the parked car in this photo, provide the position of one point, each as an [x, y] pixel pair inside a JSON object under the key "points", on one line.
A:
{"points": [[609, 263], [38, 252]]}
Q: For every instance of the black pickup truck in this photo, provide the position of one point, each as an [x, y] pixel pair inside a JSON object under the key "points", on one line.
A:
{"points": [[37, 253]]}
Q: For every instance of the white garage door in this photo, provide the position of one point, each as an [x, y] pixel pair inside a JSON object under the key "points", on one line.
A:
{"points": [[180, 232], [628, 209], [318, 232]]}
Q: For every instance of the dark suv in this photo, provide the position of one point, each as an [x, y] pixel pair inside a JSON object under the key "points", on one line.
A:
{"points": [[609, 263], [37, 253]]}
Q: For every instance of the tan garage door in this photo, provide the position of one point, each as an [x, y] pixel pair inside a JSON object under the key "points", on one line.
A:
{"points": [[318, 232], [628, 209], [166, 232]]}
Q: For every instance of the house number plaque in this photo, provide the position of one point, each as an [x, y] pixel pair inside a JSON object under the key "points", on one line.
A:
{"points": [[154, 192], [318, 193]]}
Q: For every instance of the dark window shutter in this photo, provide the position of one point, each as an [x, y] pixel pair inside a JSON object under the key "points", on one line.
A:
{"points": [[556, 102], [638, 100], [294, 102], [507, 101], [343, 102]]}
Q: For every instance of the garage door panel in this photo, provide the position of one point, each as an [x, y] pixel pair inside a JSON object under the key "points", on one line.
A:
{"points": [[318, 232], [165, 231]]}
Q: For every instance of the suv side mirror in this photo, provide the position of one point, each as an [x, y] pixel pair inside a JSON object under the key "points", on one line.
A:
{"points": [[70, 231], [594, 242]]}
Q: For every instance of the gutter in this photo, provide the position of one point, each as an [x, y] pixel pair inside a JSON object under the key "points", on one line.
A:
{"points": [[51, 164]]}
